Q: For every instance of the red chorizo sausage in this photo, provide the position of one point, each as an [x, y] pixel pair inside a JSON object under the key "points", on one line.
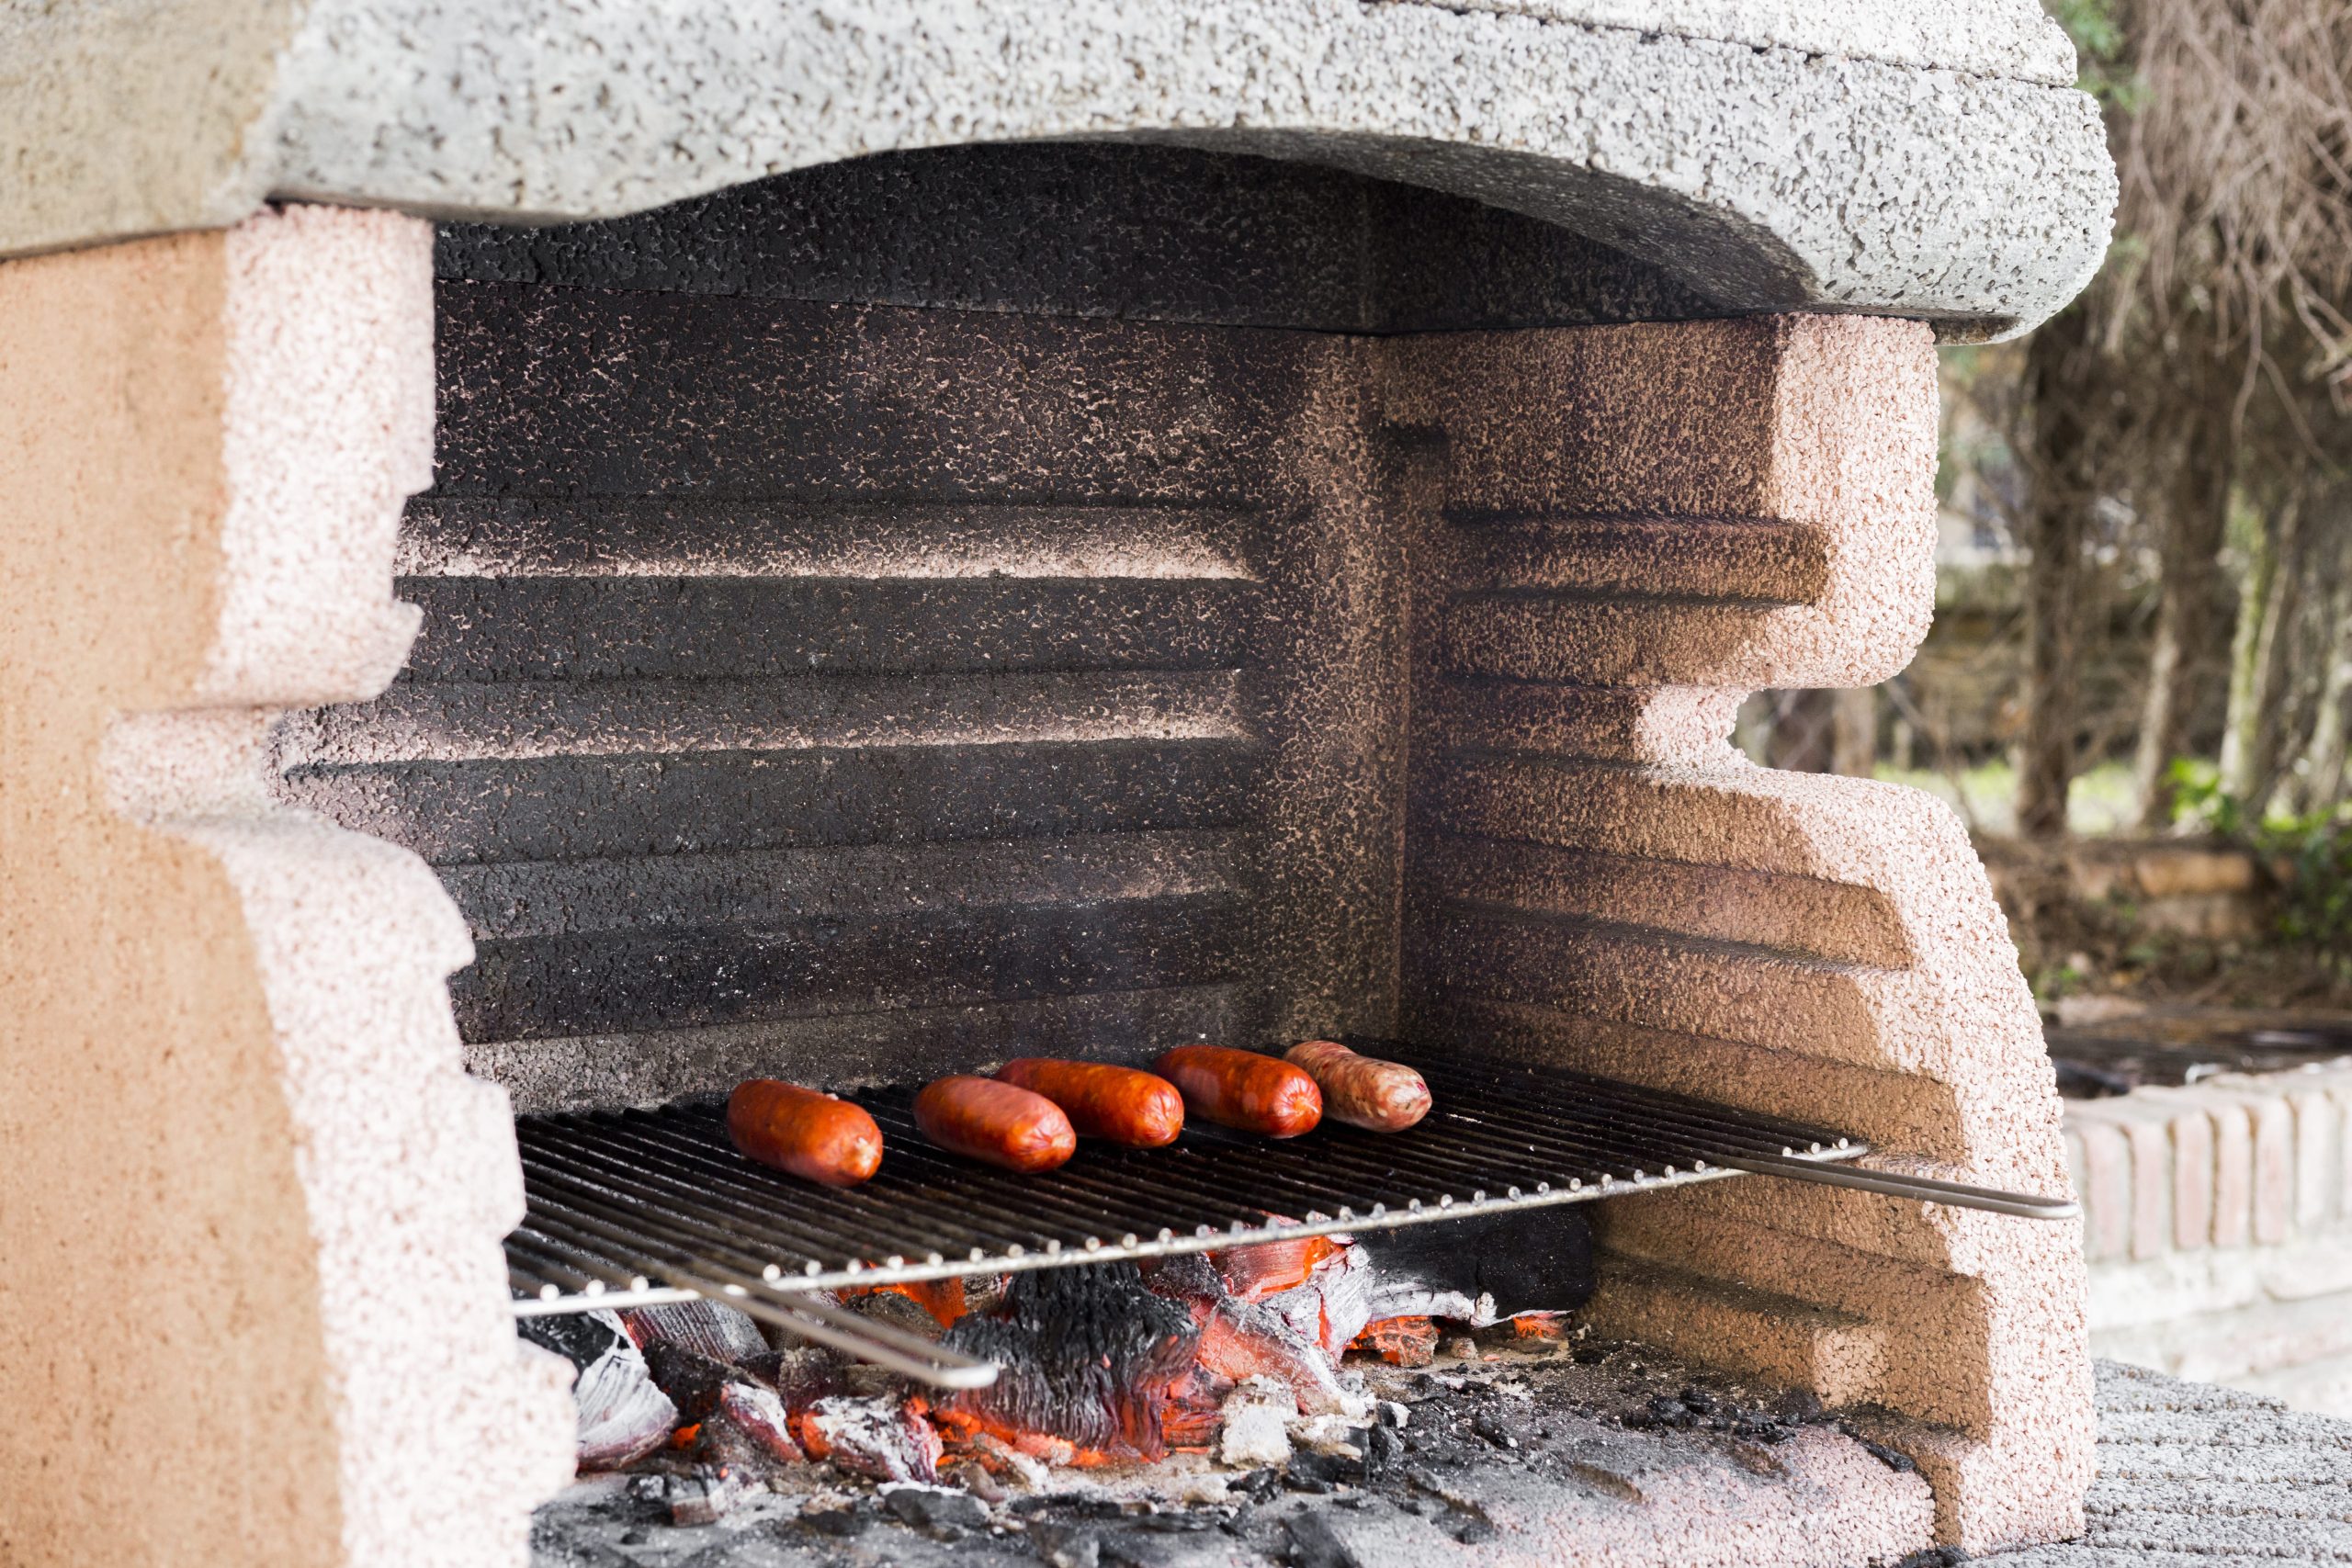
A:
{"points": [[812, 1135], [1363, 1091], [1243, 1088], [998, 1123], [1118, 1105]]}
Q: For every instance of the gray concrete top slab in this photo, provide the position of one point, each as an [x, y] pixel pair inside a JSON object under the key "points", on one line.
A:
{"points": [[1775, 154], [1992, 37]]}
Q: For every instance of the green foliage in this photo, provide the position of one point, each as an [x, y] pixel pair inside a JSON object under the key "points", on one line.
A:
{"points": [[2100, 48], [2092, 25], [2199, 800], [2311, 856]]}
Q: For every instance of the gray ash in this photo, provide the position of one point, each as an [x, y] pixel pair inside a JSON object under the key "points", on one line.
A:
{"points": [[1568, 1431]]}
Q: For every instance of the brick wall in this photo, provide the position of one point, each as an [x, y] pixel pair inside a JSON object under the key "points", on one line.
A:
{"points": [[2218, 1225]]}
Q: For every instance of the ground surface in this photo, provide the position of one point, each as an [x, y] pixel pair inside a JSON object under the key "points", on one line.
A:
{"points": [[2190, 1476], [2193, 1476]]}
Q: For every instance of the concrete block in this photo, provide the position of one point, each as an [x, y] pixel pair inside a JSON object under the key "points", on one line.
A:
{"points": [[2318, 1156], [1772, 175], [2233, 1174]]}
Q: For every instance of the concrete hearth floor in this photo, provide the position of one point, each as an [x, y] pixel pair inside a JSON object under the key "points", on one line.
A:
{"points": [[2190, 1476]]}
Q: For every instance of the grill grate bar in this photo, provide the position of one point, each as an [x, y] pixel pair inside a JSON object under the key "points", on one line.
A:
{"points": [[671, 1188], [640, 1205]]}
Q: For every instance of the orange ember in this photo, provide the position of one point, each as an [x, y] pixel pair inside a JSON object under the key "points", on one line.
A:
{"points": [[944, 1298], [1399, 1341], [1540, 1326], [961, 1430], [1268, 1267]]}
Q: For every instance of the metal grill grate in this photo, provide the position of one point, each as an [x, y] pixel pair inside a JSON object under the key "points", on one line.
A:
{"points": [[648, 1206]]}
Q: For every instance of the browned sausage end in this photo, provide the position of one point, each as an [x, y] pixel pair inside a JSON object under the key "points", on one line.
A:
{"points": [[818, 1138], [1243, 1089], [1363, 1091]]}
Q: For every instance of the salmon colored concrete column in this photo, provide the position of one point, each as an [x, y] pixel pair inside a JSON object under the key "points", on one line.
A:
{"points": [[1642, 524], [252, 1300]]}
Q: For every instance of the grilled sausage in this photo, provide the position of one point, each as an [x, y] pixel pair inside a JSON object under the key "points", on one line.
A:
{"points": [[812, 1135], [1244, 1089], [998, 1123], [1362, 1091], [1118, 1105]]}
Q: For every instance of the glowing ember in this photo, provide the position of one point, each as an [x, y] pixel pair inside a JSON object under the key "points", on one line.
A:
{"points": [[1236, 1354], [1400, 1341]]}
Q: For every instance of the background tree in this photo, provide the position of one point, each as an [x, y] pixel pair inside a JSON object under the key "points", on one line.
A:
{"points": [[2192, 363]]}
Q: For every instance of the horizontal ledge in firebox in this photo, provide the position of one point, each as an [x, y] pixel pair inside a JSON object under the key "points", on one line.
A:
{"points": [[637, 1206]]}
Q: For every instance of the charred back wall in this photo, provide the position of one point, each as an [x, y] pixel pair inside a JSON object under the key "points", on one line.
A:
{"points": [[926, 609]]}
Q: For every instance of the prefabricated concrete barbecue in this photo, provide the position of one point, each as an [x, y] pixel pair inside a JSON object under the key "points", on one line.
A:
{"points": [[560, 561]]}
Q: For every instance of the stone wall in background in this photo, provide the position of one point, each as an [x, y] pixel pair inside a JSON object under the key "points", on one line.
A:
{"points": [[2218, 1225]]}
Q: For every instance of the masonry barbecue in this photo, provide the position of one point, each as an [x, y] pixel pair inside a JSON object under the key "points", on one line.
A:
{"points": [[561, 558]]}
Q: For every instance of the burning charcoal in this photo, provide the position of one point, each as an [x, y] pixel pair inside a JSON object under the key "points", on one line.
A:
{"points": [[1331, 1307], [1088, 1355], [864, 1380], [899, 1311], [760, 1416], [1195, 1408], [969, 1475], [1400, 1341], [623, 1415], [707, 1328], [946, 1513], [881, 1439], [1002, 1459], [1242, 1341], [1190, 1278], [692, 1379], [800, 1376], [943, 1300], [1256, 1423], [1269, 1268]]}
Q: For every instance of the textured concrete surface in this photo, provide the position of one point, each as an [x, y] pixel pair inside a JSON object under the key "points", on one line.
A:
{"points": [[2190, 1475], [1155, 634], [1137, 230], [1991, 38], [1556, 768], [2218, 1225], [233, 1106], [1764, 170]]}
